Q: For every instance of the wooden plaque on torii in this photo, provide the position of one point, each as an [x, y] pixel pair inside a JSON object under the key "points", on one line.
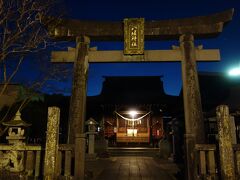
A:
{"points": [[133, 36]]}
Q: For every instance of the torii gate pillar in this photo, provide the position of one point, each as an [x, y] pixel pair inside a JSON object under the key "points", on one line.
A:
{"points": [[194, 124], [77, 111]]}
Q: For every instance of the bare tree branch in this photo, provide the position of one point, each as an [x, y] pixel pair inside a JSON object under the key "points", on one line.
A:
{"points": [[23, 32], [11, 76]]}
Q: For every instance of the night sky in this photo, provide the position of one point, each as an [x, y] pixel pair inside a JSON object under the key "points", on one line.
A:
{"points": [[228, 42]]}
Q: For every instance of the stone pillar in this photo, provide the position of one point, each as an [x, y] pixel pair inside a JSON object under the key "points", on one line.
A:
{"points": [[77, 110], [80, 148], [225, 143], [78, 106], [67, 166], [59, 163], [91, 146], [30, 163], [91, 123], [91, 143], [37, 164], [233, 130], [194, 124], [51, 149]]}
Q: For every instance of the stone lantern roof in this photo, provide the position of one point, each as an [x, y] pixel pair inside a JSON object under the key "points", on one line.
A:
{"points": [[91, 121], [16, 122]]}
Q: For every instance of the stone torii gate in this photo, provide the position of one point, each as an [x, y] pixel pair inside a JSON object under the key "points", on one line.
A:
{"points": [[183, 29]]}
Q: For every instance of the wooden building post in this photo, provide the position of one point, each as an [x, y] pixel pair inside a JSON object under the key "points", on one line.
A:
{"points": [[194, 124], [78, 105], [225, 143]]}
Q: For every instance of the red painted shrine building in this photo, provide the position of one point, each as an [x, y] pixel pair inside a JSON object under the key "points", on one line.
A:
{"points": [[133, 109]]}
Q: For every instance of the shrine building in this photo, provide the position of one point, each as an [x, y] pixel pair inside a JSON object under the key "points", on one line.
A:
{"points": [[133, 109]]}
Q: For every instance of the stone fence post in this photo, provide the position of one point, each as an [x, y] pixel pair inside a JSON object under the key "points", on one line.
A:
{"points": [[225, 143]]}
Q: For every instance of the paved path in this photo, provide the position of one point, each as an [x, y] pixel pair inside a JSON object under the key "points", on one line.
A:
{"points": [[133, 168]]}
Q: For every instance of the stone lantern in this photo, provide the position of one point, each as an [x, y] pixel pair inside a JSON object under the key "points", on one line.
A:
{"points": [[91, 123], [13, 159], [16, 129]]}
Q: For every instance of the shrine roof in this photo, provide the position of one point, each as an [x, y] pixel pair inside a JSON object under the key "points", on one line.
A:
{"points": [[133, 89]]}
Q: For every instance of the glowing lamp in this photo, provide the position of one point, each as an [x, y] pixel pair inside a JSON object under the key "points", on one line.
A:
{"points": [[234, 72], [132, 113]]}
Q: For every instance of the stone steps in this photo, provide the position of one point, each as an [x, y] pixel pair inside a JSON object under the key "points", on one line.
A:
{"points": [[133, 151]]}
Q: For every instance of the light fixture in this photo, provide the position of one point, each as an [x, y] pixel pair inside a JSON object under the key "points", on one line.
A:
{"points": [[234, 72], [133, 113]]}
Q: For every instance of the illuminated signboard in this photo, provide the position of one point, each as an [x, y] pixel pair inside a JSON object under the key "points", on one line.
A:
{"points": [[134, 36]]}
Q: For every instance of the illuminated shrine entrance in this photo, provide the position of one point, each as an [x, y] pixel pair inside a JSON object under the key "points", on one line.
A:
{"points": [[143, 128], [131, 132], [133, 126], [131, 114], [132, 109]]}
